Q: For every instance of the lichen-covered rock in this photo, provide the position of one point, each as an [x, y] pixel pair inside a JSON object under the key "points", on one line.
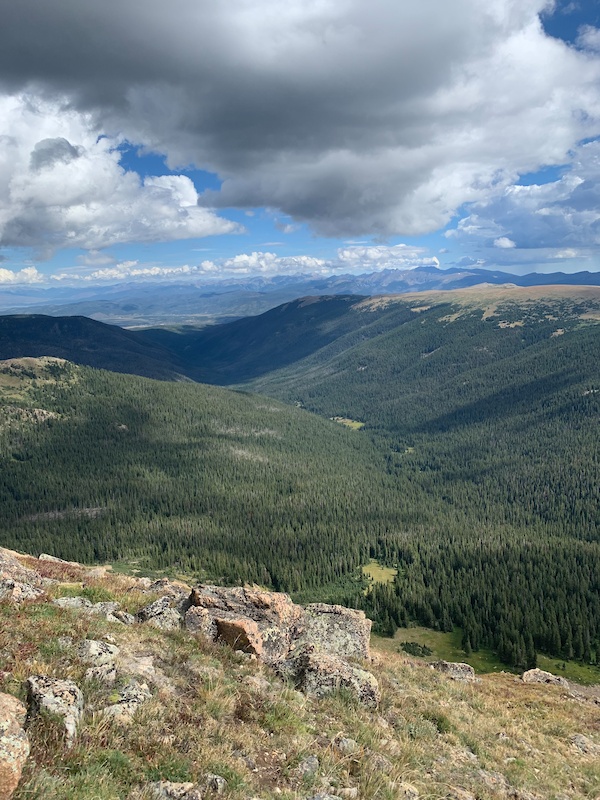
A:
{"points": [[319, 674], [271, 626], [540, 676], [18, 592], [60, 697], [105, 673], [336, 630], [215, 783], [161, 614], [74, 603], [14, 744], [130, 699], [97, 653], [308, 767], [274, 614], [345, 746], [169, 790], [455, 670], [200, 620]]}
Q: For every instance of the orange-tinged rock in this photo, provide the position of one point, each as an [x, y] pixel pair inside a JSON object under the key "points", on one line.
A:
{"points": [[14, 744]]}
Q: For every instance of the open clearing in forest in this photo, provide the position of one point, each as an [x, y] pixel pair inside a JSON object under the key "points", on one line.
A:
{"points": [[376, 573]]}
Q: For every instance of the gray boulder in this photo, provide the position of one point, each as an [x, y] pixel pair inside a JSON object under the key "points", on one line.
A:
{"points": [[161, 614], [455, 670], [60, 697], [540, 676], [318, 674]]}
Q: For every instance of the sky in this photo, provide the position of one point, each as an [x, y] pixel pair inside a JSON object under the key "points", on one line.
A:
{"points": [[197, 140]]}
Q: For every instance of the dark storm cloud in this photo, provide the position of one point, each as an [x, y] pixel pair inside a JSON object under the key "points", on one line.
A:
{"points": [[381, 119]]}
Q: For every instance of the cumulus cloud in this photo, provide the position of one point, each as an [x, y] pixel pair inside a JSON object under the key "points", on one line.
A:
{"points": [[381, 120], [126, 270], [62, 185], [563, 214], [504, 243], [379, 257], [22, 276], [589, 38]]}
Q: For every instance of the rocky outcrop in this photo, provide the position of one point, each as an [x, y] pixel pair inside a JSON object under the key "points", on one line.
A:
{"points": [[14, 744], [60, 697], [307, 645], [267, 620], [540, 676], [18, 592], [455, 670], [271, 626]]}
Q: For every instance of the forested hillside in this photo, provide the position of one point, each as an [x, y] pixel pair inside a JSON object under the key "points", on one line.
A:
{"points": [[209, 482], [476, 472], [486, 407]]}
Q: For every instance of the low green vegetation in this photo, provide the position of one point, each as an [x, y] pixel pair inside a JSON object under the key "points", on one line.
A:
{"points": [[377, 573]]}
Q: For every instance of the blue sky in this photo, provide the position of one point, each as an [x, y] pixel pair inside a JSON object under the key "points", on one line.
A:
{"points": [[200, 142]]}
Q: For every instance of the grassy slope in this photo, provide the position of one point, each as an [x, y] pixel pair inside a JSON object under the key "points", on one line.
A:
{"points": [[220, 713]]}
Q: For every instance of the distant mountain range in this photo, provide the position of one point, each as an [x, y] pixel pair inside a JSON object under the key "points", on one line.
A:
{"points": [[149, 304]]}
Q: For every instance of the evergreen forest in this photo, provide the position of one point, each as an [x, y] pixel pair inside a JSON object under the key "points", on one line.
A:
{"points": [[469, 461]]}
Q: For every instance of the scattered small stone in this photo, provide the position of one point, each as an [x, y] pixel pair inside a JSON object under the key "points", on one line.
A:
{"points": [[215, 783], [344, 746], [105, 673], [308, 767], [379, 763], [169, 790], [325, 797], [351, 793], [60, 697], [75, 603], [585, 745]]}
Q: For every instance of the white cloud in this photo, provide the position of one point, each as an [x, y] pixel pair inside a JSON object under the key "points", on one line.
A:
{"points": [[379, 257], [562, 215], [61, 185], [265, 264], [381, 119], [22, 276], [504, 243], [126, 270], [589, 38]]}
